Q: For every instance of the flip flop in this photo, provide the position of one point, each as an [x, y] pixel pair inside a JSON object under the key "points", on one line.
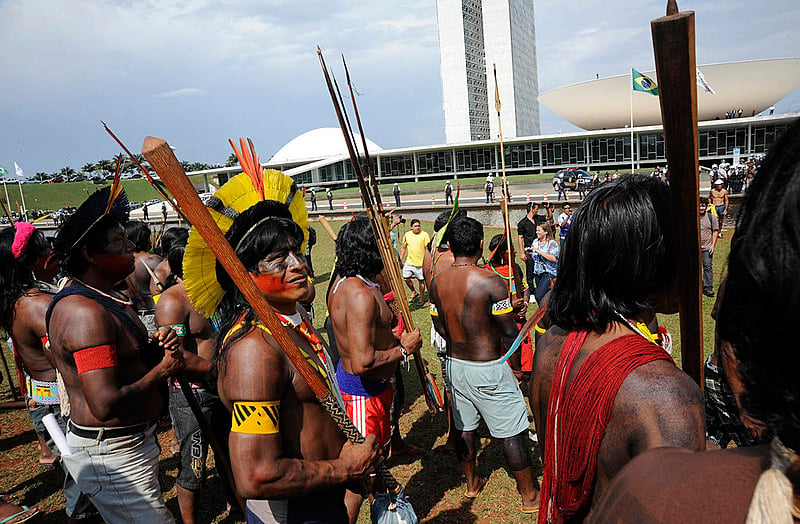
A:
{"points": [[22, 516], [482, 486]]}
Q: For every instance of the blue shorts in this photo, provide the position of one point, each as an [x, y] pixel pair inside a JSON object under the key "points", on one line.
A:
{"points": [[490, 391]]}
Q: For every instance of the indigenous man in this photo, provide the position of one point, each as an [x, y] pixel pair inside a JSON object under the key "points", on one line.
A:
{"points": [[25, 293], [719, 199], [140, 280], [195, 335], [603, 389], [415, 243], [362, 325], [476, 315], [756, 318], [113, 372], [174, 236], [289, 458], [436, 259]]}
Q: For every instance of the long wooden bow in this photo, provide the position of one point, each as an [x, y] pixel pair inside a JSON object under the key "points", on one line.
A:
{"points": [[162, 159], [381, 229]]}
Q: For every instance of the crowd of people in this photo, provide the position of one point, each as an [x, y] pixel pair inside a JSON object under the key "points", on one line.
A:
{"points": [[113, 338]]}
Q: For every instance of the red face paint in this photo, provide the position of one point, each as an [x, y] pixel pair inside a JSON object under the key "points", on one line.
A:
{"points": [[269, 284]]}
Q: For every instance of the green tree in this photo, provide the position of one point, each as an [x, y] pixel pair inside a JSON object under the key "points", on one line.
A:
{"points": [[88, 168], [67, 172], [232, 161]]}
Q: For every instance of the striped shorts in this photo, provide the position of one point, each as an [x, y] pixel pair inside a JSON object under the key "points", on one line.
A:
{"points": [[371, 414]]}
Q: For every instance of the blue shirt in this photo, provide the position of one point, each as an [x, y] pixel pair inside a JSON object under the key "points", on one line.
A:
{"points": [[541, 264]]}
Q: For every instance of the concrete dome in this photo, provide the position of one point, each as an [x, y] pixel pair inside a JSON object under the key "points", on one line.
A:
{"points": [[317, 144], [753, 86]]}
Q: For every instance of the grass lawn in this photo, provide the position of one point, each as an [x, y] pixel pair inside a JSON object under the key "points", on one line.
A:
{"points": [[55, 196], [433, 482]]}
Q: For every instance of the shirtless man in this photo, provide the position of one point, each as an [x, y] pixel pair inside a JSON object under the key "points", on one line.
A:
{"points": [[719, 199], [362, 326], [623, 393], [292, 464], [140, 280], [25, 293], [757, 316], [114, 374], [174, 236], [476, 315], [195, 335]]}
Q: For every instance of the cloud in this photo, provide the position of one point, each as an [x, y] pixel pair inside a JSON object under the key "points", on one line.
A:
{"points": [[185, 91]]}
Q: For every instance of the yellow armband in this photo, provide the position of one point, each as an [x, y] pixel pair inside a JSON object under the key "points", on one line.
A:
{"points": [[539, 329], [255, 418]]}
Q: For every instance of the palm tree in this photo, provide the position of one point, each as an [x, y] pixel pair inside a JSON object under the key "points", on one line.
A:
{"points": [[232, 161], [88, 168], [41, 175], [67, 172], [107, 166]]}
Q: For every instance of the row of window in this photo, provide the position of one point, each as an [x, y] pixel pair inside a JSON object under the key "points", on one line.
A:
{"points": [[605, 150]]}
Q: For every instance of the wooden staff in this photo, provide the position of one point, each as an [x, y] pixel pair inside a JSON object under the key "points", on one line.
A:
{"points": [[163, 160], [504, 199], [327, 226], [382, 236], [673, 43]]}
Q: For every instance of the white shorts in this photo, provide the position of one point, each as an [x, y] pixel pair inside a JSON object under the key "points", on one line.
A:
{"points": [[412, 272]]}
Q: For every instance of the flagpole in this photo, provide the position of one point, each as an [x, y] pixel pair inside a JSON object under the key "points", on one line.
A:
{"points": [[5, 186], [631, 97], [22, 196]]}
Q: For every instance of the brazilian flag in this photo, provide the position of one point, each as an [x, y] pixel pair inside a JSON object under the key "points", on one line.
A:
{"points": [[643, 83]]}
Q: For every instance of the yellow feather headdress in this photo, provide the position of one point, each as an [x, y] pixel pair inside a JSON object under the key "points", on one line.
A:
{"points": [[240, 193]]}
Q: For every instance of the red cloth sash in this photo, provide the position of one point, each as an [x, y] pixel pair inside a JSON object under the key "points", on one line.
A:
{"points": [[577, 417]]}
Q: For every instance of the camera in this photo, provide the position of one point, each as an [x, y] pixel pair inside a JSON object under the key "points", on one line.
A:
{"points": [[402, 220]]}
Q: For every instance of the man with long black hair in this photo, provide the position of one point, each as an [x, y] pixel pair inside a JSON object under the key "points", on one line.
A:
{"points": [[362, 325], [113, 371], [289, 458], [140, 281], [603, 388], [757, 323], [475, 314], [26, 289]]}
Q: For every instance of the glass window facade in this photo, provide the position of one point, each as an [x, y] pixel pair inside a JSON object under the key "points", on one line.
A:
{"points": [[564, 153], [475, 159], [765, 136], [336, 172], [435, 162], [521, 156], [651, 147], [610, 149], [720, 142], [397, 165], [303, 178]]}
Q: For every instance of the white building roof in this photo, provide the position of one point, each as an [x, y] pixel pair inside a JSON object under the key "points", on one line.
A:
{"points": [[604, 103], [317, 144]]}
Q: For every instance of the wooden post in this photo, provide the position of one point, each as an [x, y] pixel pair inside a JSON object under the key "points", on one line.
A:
{"points": [[673, 43]]}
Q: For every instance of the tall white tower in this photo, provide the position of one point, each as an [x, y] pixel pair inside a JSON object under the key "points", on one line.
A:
{"points": [[473, 35]]}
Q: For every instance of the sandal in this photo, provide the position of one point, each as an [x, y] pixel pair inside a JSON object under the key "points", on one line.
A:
{"points": [[24, 515]]}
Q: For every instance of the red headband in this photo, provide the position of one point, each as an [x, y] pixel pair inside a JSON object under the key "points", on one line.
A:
{"points": [[24, 231]]}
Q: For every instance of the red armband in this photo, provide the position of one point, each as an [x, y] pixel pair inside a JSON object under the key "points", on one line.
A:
{"points": [[97, 357]]}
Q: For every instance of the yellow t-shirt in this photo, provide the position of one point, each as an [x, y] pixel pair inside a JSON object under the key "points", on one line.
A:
{"points": [[417, 244]]}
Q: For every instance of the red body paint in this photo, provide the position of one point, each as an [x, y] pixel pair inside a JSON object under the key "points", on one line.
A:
{"points": [[269, 284]]}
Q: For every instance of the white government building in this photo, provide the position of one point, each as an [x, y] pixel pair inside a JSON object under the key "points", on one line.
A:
{"points": [[474, 35]]}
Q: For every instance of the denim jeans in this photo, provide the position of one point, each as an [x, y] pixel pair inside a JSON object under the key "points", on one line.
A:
{"points": [[542, 286], [120, 476], [77, 504], [708, 271]]}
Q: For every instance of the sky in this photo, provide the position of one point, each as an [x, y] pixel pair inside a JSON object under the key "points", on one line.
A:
{"points": [[196, 72]]}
